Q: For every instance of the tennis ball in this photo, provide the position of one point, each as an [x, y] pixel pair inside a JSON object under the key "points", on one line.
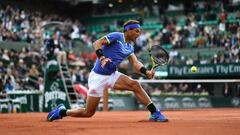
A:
{"points": [[193, 69]]}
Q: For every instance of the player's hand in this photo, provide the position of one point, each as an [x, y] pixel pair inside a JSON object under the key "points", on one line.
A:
{"points": [[150, 74], [104, 60]]}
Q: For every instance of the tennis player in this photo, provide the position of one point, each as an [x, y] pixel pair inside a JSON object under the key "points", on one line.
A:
{"points": [[111, 50]]}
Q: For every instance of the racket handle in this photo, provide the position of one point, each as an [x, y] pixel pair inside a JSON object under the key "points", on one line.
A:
{"points": [[153, 70]]}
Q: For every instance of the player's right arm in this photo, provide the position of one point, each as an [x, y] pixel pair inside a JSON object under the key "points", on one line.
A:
{"points": [[97, 45], [137, 65]]}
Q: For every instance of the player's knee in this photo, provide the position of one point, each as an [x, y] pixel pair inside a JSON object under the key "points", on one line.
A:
{"points": [[135, 85]]}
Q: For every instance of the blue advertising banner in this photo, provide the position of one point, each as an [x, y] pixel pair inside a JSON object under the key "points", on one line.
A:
{"points": [[206, 70]]}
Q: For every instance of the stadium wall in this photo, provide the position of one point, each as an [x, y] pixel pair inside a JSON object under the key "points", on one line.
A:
{"points": [[31, 101]]}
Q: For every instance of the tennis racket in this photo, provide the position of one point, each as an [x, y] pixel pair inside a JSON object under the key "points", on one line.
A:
{"points": [[158, 56]]}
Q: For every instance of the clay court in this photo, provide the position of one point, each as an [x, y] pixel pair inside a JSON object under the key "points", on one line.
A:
{"points": [[182, 122]]}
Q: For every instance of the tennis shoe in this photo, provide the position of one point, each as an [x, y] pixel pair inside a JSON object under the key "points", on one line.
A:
{"points": [[158, 117], [55, 113]]}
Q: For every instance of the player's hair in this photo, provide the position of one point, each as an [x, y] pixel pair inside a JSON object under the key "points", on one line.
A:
{"points": [[130, 22]]}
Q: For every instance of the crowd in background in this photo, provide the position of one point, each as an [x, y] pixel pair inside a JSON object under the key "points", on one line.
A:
{"points": [[24, 70], [196, 35], [21, 25], [24, 26], [21, 69]]}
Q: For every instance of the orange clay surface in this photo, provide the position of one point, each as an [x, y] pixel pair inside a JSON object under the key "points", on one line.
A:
{"points": [[183, 122]]}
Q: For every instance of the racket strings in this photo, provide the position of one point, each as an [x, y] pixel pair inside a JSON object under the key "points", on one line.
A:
{"points": [[159, 60], [160, 56]]}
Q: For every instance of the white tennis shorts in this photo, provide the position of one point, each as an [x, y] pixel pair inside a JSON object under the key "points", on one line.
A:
{"points": [[97, 83]]}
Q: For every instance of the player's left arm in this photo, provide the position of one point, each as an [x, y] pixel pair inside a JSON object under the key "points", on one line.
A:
{"points": [[137, 65]]}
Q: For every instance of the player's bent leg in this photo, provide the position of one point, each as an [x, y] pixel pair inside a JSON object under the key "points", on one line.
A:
{"points": [[126, 83], [89, 111]]}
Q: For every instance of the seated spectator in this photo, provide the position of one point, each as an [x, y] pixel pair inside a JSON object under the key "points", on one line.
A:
{"points": [[5, 55], [71, 56], [3, 93], [1, 86], [200, 41], [223, 15], [34, 71], [199, 89], [49, 47], [183, 87], [2, 69], [55, 49], [215, 59], [8, 86], [22, 67]]}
